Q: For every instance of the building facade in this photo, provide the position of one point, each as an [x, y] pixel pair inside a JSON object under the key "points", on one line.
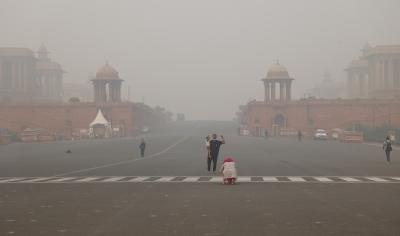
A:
{"points": [[57, 117], [25, 78], [327, 89], [284, 114], [376, 74], [83, 91]]}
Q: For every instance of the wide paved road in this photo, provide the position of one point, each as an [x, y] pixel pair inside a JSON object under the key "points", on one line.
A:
{"points": [[285, 187]]}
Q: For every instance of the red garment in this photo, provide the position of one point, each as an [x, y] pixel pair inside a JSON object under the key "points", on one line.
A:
{"points": [[227, 160], [230, 180]]}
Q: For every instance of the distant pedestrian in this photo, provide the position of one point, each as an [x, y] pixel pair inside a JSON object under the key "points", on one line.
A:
{"points": [[214, 151], [142, 147], [238, 129], [299, 134], [266, 134], [228, 170], [208, 146], [387, 146]]}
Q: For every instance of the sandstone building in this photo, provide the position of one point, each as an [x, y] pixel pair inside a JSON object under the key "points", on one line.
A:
{"points": [[26, 78], [31, 94], [280, 114], [376, 74], [327, 89]]}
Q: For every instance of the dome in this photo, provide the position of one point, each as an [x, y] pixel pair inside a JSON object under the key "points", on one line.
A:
{"points": [[366, 47], [327, 73], [277, 71], [42, 49], [107, 72]]}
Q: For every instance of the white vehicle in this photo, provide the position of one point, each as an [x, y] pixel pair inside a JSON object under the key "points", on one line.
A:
{"points": [[320, 134], [144, 129]]}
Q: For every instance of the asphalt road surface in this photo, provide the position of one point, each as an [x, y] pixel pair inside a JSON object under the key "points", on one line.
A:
{"points": [[285, 187]]}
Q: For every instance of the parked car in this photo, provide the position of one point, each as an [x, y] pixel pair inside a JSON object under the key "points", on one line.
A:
{"points": [[144, 129], [320, 134]]}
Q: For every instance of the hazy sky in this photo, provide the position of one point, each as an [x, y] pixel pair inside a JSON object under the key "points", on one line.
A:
{"points": [[202, 58]]}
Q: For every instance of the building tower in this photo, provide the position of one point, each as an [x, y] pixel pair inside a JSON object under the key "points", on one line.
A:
{"points": [[107, 75], [277, 74], [48, 78]]}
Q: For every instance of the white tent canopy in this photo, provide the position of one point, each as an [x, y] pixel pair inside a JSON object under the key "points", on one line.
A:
{"points": [[100, 120]]}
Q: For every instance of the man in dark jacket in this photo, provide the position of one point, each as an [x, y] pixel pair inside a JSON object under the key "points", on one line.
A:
{"points": [[299, 134], [142, 146], [214, 151], [387, 146], [266, 134]]}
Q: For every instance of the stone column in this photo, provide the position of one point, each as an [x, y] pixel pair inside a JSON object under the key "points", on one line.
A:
{"points": [[13, 77], [289, 91], [361, 83], [282, 91], [111, 91], [95, 91], [266, 91], [390, 73], [1, 74], [119, 92], [273, 88], [55, 90]]}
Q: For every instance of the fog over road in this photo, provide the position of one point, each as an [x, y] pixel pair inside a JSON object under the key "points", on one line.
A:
{"points": [[285, 187]]}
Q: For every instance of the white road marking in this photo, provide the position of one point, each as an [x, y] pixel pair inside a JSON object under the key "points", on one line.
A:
{"points": [[244, 179], [62, 179], [87, 179], [139, 179], [216, 179], [322, 179], [191, 179], [212, 179], [296, 179], [269, 179], [35, 180], [8, 180], [113, 179], [349, 179], [377, 179], [165, 179]]}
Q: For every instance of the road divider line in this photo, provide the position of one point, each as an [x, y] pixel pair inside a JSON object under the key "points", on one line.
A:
{"points": [[123, 162]]}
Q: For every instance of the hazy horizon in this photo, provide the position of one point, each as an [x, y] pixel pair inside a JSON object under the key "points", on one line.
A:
{"points": [[201, 58]]}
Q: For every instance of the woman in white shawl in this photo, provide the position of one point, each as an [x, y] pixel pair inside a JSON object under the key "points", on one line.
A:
{"points": [[228, 170]]}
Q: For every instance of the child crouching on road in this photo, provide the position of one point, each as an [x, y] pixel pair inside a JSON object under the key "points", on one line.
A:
{"points": [[228, 170]]}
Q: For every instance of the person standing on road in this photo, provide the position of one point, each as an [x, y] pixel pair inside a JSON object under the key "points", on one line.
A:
{"points": [[387, 146], [214, 151], [208, 146], [299, 134], [238, 129], [266, 134], [142, 147]]}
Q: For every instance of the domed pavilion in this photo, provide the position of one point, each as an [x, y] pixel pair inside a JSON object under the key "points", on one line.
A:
{"points": [[277, 74], [107, 75]]}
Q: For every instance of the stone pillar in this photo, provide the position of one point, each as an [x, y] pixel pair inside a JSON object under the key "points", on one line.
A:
{"points": [[55, 90], [111, 92], [95, 91], [282, 91], [1, 74], [13, 77], [102, 91], [361, 84], [266, 91], [119, 92], [390, 73], [273, 88], [289, 91]]}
